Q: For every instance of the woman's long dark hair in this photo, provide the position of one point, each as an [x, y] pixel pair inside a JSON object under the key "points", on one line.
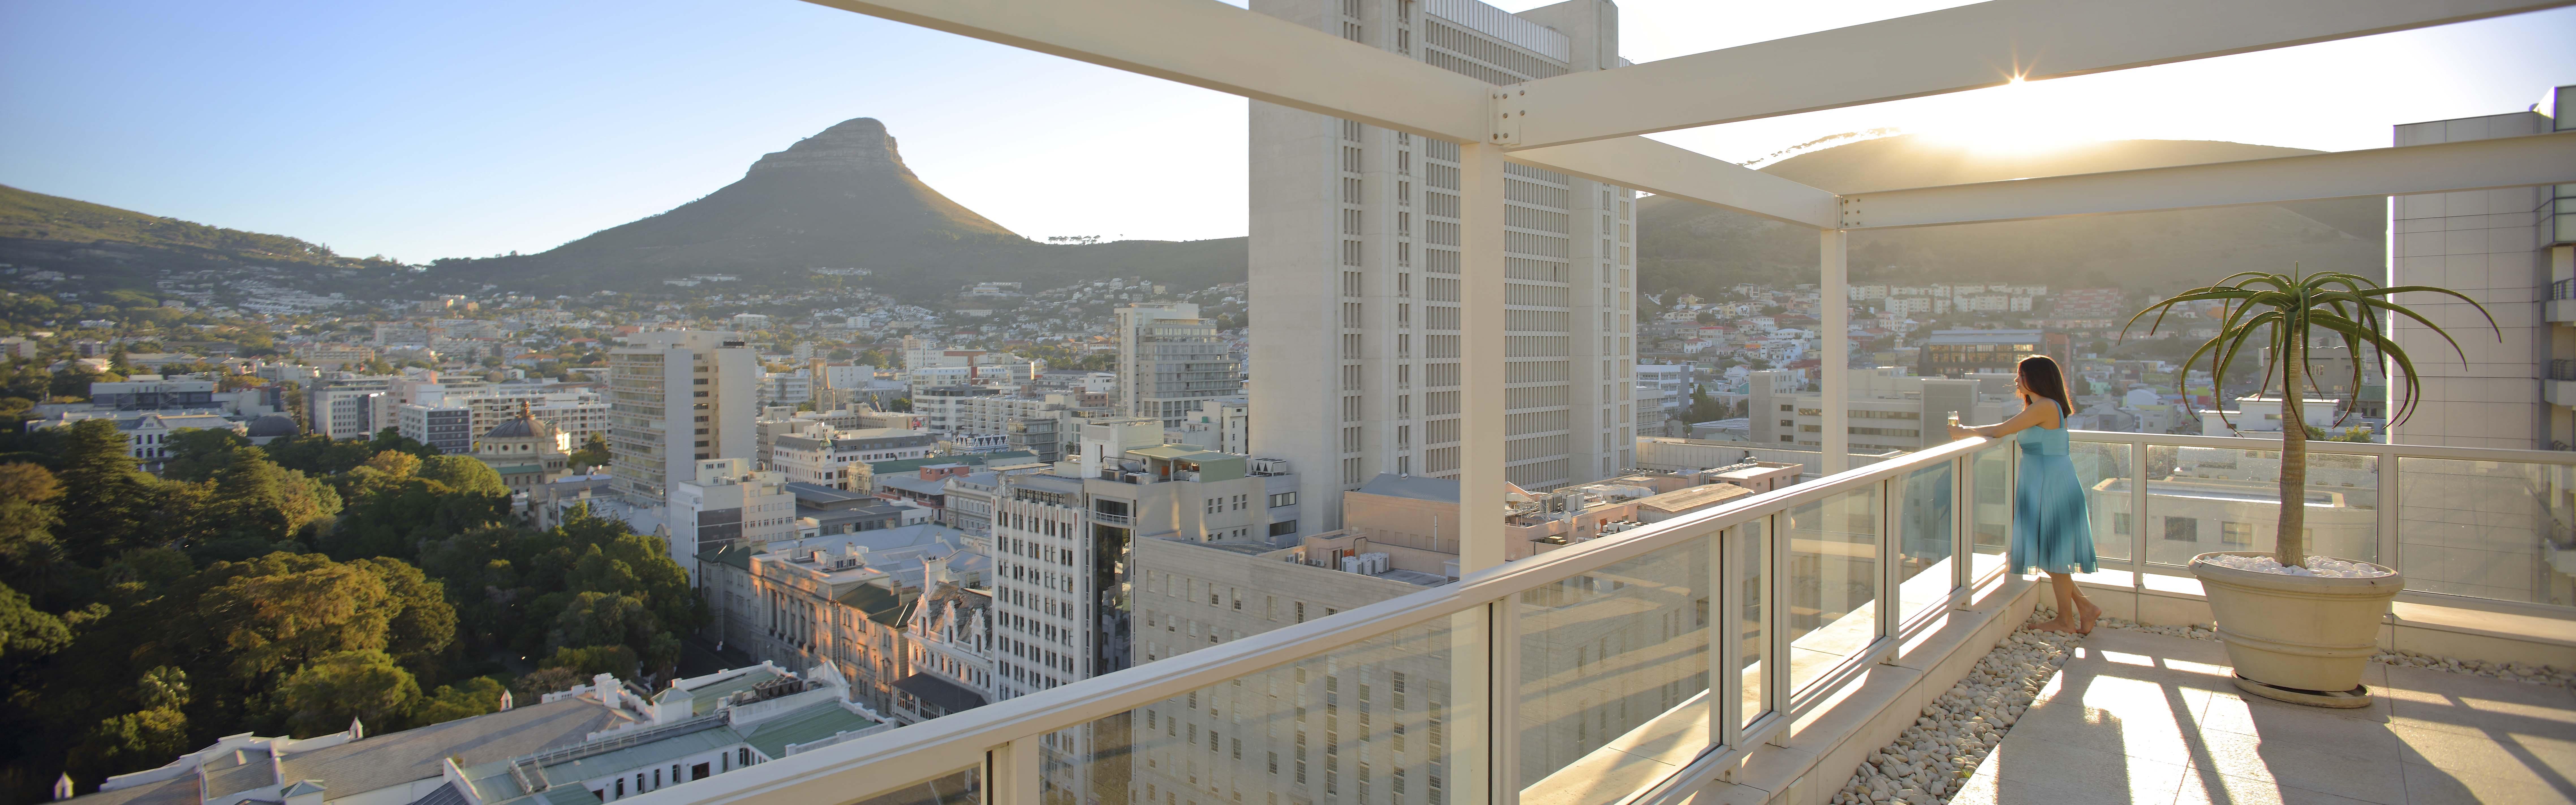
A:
{"points": [[2039, 374]]}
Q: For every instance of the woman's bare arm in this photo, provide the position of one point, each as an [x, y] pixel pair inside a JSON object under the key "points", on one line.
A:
{"points": [[2036, 416]]}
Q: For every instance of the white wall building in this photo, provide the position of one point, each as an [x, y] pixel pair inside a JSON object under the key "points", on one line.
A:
{"points": [[726, 502], [1168, 360], [1354, 258], [677, 397], [2503, 248]]}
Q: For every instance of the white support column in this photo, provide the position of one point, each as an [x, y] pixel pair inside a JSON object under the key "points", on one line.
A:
{"points": [[1834, 374], [1480, 357]]}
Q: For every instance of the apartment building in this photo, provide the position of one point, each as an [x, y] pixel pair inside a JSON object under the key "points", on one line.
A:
{"points": [[1891, 409], [1223, 425], [1168, 360], [842, 600], [677, 397], [2512, 250], [578, 413], [1355, 260], [348, 406], [724, 502], [941, 407], [839, 458], [951, 631], [446, 428], [1951, 353], [1060, 542]]}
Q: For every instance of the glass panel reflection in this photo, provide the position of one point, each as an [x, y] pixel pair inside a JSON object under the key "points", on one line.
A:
{"points": [[2488, 529], [1367, 723], [2104, 469], [1614, 676], [1752, 563], [1833, 582], [1991, 518], [1926, 532], [2203, 499]]}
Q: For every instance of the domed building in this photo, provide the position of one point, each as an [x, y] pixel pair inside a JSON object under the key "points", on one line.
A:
{"points": [[525, 451], [271, 428]]}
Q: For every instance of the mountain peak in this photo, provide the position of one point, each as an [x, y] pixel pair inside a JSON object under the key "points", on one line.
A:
{"points": [[859, 145]]}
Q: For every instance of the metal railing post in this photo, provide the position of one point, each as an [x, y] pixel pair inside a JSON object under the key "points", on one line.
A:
{"points": [[1775, 623], [1963, 518], [2390, 524], [1506, 754], [2138, 527], [1012, 775], [1891, 573], [1725, 641]]}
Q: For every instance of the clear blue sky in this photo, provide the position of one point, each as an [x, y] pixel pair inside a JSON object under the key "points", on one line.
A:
{"points": [[470, 127]]}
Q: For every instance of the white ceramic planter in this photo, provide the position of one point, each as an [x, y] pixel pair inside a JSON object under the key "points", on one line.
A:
{"points": [[2305, 633]]}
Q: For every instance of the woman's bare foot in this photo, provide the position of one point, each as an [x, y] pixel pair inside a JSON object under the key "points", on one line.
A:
{"points": [[2090, 613]]}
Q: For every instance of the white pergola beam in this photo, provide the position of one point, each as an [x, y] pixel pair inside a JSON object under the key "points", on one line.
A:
{"points": [[2445, 167], [1950, 50], [1667, 170], [1204, 43]]}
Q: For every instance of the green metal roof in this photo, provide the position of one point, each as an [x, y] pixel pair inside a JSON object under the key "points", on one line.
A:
{"points": [[704, 697], [881, 605], [640, 756], [737, 555], [807, 725]]}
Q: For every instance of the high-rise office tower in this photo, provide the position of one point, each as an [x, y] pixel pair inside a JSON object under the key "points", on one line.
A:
{"points": [[674, 398], [1168, 360], [1355, 260], [2507, 249]]}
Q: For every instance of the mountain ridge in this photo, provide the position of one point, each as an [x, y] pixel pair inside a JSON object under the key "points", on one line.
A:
{"points": [[844, 198]]}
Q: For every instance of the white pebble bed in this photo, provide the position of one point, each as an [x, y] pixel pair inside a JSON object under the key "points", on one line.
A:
{"points": [[2516, 671], [1934, 757], [2317, 566]]}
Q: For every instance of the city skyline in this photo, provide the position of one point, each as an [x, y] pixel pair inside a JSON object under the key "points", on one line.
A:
{"points": [[503, 148]]}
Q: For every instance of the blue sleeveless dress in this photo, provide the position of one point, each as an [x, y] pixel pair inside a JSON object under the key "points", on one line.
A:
{"points": [[2051, 531]]}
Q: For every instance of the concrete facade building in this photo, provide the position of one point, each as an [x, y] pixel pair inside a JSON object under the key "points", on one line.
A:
{"points": [[727, 502], [677, 397], [447, 428], [1061, 539], [2512, 250], [1168, 360], [1355, 239], [1889, 409]]}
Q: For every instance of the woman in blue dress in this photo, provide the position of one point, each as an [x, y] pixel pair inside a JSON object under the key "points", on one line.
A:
{"points": [[2051, 530]]}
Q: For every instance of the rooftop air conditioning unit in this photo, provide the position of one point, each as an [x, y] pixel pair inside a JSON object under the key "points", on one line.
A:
{"points": [[1270, 466]]}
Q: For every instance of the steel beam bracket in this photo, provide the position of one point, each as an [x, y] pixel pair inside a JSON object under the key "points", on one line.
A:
{"points": [[1508, 106]]}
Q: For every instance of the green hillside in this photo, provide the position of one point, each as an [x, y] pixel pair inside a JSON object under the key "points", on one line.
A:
{"points": [[36, 216]]}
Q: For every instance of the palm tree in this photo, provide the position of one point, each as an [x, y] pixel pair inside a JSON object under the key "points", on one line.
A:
{"points": [[2283, 309]]}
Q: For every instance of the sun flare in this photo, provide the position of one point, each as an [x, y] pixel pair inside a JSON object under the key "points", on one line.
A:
{"points": [[2020, 117]]}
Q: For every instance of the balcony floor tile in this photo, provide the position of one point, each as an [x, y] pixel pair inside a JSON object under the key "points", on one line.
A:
{"points": [[2136, 717]]}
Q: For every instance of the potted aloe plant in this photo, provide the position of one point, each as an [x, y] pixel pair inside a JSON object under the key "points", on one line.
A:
{"points": [[2301, 628]]}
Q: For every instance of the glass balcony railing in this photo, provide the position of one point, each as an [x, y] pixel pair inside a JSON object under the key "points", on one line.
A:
{"points": [[2498, 525], [1599, 656]]}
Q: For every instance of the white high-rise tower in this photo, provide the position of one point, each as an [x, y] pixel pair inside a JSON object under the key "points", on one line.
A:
{"points": [[1355, 260]]}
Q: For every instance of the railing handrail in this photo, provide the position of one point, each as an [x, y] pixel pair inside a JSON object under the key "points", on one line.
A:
{"points": [[895, 758], [2346, 448]]}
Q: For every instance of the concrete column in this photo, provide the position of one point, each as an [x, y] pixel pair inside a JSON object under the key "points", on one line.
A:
{"points": [[1834, 375], [1480, 357]]}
